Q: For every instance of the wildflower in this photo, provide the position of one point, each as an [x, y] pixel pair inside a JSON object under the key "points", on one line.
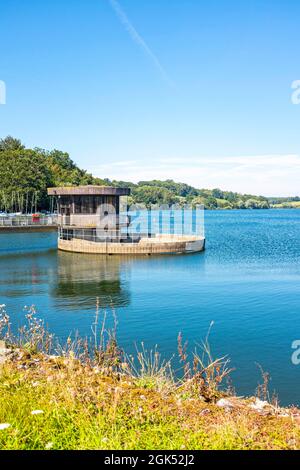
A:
{"points": [[49, 445], [105, 439], [4, 426], [37, 412]]}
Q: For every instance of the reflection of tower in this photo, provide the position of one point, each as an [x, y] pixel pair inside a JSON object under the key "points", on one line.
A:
{"points": [[82, 278]]}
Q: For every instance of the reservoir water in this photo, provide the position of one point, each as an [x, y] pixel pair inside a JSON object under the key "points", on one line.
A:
{"points": [[247, 282]]}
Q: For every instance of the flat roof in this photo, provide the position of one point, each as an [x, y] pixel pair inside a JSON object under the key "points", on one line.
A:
{"points": [[89, 190]]}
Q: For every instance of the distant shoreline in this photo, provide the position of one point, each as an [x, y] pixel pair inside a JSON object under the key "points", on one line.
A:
{"points": [[26, 173]]}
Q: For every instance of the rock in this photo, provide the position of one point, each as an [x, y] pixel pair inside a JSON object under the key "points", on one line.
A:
{"points": [[292, 442], [205, 412], [259, 405], [284, 415], [225, 403], [4, 352]]}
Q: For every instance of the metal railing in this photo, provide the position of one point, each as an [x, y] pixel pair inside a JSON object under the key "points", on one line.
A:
{"points": [[100, 236], [27, 220], [138, 225]]}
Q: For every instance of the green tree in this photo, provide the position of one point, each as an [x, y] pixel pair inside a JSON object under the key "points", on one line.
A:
{"points": [[251, 204], [24, 178], [217, 193], [150, 195], [10, 143]]}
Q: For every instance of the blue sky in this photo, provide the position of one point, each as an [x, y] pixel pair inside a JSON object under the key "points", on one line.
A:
{"points": [[185, 89]]}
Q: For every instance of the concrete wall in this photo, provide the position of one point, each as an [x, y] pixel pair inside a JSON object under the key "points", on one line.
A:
{"points": [[92, 220], [161, 245]]}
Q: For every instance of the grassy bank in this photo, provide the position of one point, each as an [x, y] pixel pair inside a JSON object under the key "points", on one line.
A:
{"points": [[287, 205], [105, 400]]}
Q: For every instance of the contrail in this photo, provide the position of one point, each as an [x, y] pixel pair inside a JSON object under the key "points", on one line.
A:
{"points": [[137, 38]]}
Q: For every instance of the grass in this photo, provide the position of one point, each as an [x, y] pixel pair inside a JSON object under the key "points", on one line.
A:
{"points": [[287, 205], [79, 400]]}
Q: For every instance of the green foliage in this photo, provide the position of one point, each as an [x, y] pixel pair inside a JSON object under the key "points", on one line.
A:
{"points": [[254, 203], [24, 178], [25, 175], [285, 202], [9, 143], [178, 189], [150, 195], [217, 193], [169, 192], [64, 171], [59, 405]]}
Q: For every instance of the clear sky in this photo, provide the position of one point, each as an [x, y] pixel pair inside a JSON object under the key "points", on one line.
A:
{"points": [[197, 91]]}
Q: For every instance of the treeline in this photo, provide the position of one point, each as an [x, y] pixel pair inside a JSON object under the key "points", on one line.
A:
{"points": [[169, 192], [25, 175], [285, 202]]}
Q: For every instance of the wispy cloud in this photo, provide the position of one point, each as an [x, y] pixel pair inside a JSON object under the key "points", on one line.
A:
{"points": [[269, 175], [137, 38]]}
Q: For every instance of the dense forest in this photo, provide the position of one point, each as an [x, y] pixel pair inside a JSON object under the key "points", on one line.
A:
{"points": [[25, 175]]}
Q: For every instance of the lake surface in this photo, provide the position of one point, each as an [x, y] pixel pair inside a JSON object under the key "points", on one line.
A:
{"points": [[247, 282]]}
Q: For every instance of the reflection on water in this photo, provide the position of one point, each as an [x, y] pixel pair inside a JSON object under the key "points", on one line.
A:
{"points": [[63, 287], [81, 278]]}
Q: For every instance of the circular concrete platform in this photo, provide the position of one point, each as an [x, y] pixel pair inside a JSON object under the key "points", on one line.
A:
{"points": [[165, 244]]}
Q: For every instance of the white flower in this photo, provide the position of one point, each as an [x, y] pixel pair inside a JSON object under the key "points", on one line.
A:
{"points": [[37, 412], [4, 426], [105, 439], [49, 445]]}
